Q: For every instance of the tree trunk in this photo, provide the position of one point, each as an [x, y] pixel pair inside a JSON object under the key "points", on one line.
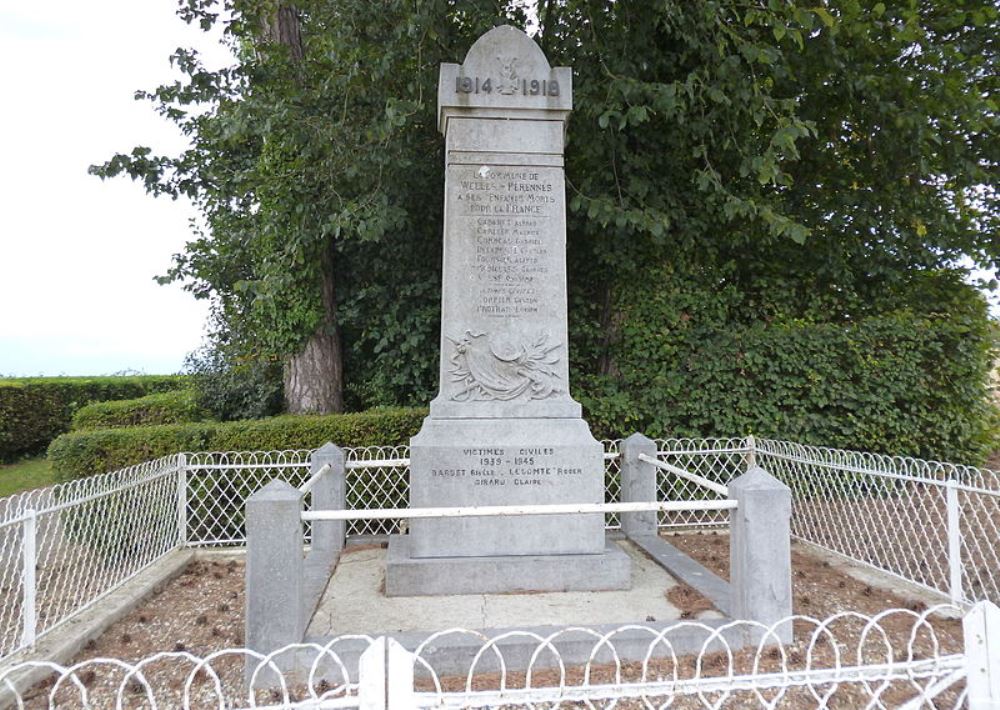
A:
{"points": [[314, 378], [283, 27]]}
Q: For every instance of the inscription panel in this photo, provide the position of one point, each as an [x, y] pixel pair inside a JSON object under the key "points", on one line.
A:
{"points": [[506, 465], [515, 467], [507, 212], [504, 305]]}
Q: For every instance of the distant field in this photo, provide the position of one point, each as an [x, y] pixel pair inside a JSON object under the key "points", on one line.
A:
{"points": [[25, 475]]}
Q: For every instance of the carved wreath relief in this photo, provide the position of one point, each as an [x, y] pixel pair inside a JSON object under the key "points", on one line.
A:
{"points": [[488, 371]]}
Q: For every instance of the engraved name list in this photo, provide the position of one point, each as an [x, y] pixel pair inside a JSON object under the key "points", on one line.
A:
{"points": [[505, 211]]}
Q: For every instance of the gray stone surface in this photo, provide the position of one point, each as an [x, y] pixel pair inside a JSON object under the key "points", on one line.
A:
{"points": [[687, 570], [317, 567], [511, 60], [638, 480], [329, 493], [504, 327], [504, 428], [760, 555], [407, 575], [356, 602], [275, 579], [506, 462], [453, 654]]}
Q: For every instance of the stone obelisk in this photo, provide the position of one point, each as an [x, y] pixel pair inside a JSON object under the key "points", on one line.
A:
{"points": [[504, 429]]}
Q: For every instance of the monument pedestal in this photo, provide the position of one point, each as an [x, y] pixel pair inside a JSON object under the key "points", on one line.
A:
{"points": [[488, 462]]}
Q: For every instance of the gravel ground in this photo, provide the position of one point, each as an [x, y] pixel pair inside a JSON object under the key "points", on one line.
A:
{"points": [[201, 612], [197, 613]]}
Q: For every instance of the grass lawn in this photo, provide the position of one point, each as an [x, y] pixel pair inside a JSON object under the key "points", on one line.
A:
{"points": [[25, 475]]}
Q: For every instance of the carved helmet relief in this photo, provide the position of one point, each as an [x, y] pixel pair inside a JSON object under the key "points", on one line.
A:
{"points": [[507, 83], [495, 368]]}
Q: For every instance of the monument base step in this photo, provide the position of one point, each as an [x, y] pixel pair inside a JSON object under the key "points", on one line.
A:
{"points": [[408, 576]]}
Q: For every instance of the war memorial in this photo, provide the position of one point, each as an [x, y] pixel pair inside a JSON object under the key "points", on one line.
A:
{"points": [[506, 488]]}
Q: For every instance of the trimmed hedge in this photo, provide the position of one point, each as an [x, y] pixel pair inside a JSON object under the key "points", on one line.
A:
{"points": [[902, 383], [34, 410], [81, 453], [177, 407]]}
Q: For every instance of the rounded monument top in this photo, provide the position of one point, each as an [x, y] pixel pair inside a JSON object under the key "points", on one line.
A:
{"points": [[509, 50], [504, 71]]}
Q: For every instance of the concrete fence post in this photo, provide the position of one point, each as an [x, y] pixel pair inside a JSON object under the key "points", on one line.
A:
{"points": [[275, 616], [954, 542], [751, 456], [981, 627], [329, 493], [638, 485], [760, 553], [182, 501], [29, 561]]}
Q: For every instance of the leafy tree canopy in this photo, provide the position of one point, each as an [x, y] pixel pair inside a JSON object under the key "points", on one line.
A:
{"points": [[729, 163]]}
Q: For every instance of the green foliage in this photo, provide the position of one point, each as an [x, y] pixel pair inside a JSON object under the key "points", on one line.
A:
{"points": [[175, 407], [34, 410], [232, 387], [900, 383], [709, 142], [763, 180], [82, 453]]}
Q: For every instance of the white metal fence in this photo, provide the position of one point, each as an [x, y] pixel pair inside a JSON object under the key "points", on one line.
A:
{"points": [[64, 547], [896, 659], [934, 524], [931, 523]]}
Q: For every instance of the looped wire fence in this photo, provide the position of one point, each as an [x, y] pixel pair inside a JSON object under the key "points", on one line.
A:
{"points": [[848, 660]]}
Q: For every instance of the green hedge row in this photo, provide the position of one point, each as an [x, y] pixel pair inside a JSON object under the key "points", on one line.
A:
{"points": [[81, 453], [176, 407], [34, 410], [902, 383]]}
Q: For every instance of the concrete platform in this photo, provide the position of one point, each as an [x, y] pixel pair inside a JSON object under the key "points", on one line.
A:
{"points": [[355, 602], [407, 575]]}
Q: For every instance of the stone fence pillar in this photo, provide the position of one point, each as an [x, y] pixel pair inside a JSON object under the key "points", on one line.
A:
{"points": [[275, 616], [329, 493], [638, 485], [760, 554]]}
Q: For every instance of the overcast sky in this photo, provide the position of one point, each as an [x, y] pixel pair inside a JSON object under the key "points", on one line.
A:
{"points": [[77, 255]]}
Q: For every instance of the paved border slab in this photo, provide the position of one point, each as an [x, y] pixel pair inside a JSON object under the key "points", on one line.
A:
{"points": [[687, 570], [451, 654], [318, 569]]}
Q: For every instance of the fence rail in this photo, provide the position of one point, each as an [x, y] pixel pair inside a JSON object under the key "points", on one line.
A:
{"points": [[933, 524]]}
